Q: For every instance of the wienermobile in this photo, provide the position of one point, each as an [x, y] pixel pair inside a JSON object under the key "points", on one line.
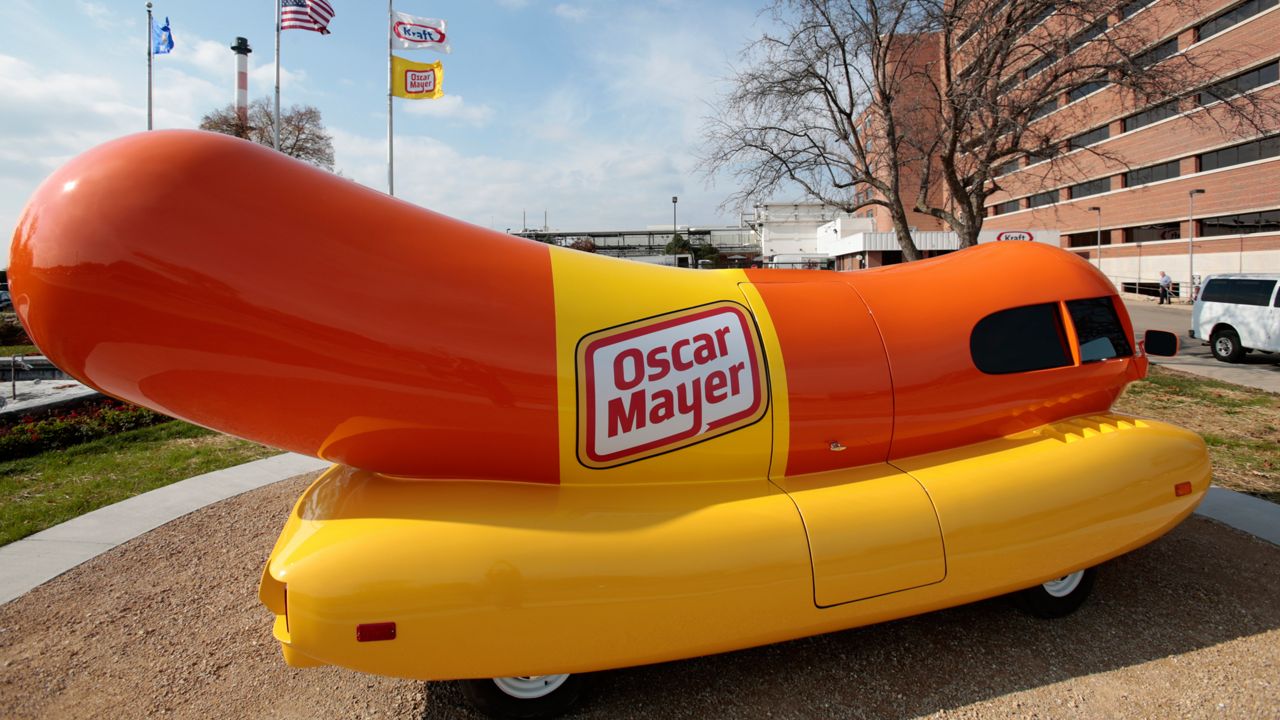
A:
{"points": [[549, 462]]}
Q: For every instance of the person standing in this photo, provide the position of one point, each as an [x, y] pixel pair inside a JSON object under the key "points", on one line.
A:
{"points": [[1166, 283]]}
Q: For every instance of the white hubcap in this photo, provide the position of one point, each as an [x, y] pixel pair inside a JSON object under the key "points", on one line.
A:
{"points": [[1064, 585], [530, 687]]}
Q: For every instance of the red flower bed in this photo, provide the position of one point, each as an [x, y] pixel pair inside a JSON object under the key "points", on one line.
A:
{"points": [[30, 435]]}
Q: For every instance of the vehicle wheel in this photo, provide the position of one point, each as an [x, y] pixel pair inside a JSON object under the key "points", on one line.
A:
{"points": [[1057, 598], [1225, 344], [525, 698]]}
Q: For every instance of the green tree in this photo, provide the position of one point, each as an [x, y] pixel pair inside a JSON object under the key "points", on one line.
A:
{"points": [[678, 245]]}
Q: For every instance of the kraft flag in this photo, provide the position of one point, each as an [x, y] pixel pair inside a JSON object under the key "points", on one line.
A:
{"points": [[416, 81], [418, 33], [161, 38]]}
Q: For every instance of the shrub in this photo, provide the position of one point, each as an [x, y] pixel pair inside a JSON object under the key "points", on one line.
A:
{"points": [[12, 332], [32, 436]]}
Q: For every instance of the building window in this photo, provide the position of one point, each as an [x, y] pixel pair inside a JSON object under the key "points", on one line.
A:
{"points": [[1045, 109], [1005, 208], [1241, 291], [1087, 89], [1093, 187], [1098, 329], [1040, 154], [1244, 224], [1089, 238], [1234, 16], [1089, 33], [1130, 9], [1155, 173], [1044, 14], [1242, 83], [1150, 115], [1150, 233], [1042, 199], [1034, 68], [1020, 339], [1092, 137], [1007, 168], [1238, 154], [1157, 53]]}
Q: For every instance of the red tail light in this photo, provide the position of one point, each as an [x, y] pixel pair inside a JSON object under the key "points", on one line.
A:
{"points": [[1182, 488], [373, 632]]}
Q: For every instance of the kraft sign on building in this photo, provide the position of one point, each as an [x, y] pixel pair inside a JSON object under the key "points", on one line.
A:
{"points": [[1015, 235], [663, 383], [1040, 235]]}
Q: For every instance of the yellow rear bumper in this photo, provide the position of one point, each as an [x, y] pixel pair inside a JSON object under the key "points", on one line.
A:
{"points": [[486, 579]]}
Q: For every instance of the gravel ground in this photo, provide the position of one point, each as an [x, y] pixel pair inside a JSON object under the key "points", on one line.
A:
{"points": [[169, 625]]}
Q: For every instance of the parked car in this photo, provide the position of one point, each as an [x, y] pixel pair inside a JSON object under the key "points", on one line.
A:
{"points": [[1238, 313]]}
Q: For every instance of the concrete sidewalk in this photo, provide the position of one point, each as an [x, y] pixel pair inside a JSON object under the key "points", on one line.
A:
{"points": [[36, 559], [45, 555]]}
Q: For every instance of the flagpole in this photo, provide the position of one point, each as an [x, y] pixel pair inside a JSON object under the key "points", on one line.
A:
{"points": [[391, 158], [276, 122], [150, 46]]}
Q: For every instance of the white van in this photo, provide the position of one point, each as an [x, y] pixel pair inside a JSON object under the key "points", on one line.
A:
{"points": [[1238, 313]]}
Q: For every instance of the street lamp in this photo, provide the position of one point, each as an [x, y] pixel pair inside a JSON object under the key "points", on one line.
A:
{"points": [[1099, 211], [1191, 242], [674, 200]]}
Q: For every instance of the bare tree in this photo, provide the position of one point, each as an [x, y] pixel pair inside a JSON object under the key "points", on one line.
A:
{"points": [[919, 106], [302, 132]]}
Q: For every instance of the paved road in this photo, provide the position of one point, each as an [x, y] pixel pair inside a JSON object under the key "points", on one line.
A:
{"points": [[1258, 370]]}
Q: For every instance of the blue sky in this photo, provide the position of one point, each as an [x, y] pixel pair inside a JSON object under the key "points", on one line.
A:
{"points": [[589, 110]]}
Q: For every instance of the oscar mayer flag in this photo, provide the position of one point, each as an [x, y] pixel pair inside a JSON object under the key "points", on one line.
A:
{"points": [[416, 81]]}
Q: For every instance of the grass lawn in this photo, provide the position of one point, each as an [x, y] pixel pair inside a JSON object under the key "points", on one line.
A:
{"points": [[11, 350], [41, 491], [1240, 425]]}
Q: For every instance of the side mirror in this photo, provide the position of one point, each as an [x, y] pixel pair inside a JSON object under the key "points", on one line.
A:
{"points": [[1160, 342]]}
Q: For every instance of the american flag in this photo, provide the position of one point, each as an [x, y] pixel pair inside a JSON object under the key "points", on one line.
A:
{"points": [[313, 15]]}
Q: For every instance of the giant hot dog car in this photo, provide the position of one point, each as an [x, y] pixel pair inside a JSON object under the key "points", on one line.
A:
{"points": [[549, 462]]}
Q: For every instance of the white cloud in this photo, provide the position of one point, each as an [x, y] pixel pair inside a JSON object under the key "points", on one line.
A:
{"points": [[96, 12], [562, 116], [571, 12], [451, 107], [589, 185]]}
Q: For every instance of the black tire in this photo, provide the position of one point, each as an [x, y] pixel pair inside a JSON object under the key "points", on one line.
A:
{"points": [[1057, 598], [525, 698], [1225, 344]]}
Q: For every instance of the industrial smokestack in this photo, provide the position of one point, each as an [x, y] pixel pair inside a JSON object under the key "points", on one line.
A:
{"points": [[242, 50]]}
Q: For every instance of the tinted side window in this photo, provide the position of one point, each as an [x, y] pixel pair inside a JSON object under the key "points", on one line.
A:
{"points": [[1241, 291], [1214, 291], [1020, 340], [1098, 329]]}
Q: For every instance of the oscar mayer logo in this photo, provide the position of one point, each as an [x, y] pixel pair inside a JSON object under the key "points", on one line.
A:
{"points": [[419, 81], [659, 384]]}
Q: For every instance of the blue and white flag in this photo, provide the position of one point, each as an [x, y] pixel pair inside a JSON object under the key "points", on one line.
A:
{"points": [[161, 38]]}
